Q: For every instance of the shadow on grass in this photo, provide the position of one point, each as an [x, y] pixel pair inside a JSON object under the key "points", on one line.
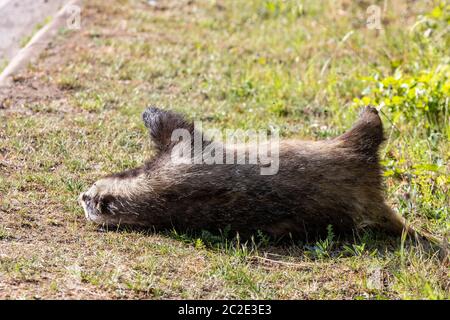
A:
{"points": [[372, 243]]}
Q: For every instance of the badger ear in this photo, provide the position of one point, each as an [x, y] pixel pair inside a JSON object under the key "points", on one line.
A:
{"points": [[162, 123]]}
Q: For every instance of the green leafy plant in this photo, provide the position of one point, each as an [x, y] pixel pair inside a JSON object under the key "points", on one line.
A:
{"points": [[421, 98], [418, 90], [355, 249], [322, 248]]}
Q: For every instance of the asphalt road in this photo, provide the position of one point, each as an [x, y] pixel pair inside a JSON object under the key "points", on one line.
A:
{"points": [[18, 20]]}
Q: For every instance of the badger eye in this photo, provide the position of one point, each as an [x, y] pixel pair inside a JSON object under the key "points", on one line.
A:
{"points": [[104, 204]]}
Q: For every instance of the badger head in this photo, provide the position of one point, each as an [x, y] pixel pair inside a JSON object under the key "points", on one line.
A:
{"points": [[122, 198]]}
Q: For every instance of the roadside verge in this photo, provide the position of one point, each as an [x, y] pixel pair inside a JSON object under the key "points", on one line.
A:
{"points": [[66, 17]]}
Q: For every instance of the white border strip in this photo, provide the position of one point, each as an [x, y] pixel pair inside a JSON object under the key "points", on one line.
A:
{"points": [[37, 44]]}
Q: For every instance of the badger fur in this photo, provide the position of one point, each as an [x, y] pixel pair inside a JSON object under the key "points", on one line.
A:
{"points": [[319, 183]]}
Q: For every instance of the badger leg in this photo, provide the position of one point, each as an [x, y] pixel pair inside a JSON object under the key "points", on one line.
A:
{"points": [[364, 140]]}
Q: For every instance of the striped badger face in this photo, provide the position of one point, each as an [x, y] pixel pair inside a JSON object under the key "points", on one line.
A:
{"points": [[135, 197], [96, 202], [111, 200]]}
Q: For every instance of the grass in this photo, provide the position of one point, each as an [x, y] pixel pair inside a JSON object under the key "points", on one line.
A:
{"points": [[304, 66], [3, 64], [24, 41]]}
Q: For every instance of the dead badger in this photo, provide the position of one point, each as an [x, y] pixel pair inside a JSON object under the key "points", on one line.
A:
{"points": [[319, 183]]}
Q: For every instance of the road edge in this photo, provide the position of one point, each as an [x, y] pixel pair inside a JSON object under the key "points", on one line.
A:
{"points": [[37, 44]]}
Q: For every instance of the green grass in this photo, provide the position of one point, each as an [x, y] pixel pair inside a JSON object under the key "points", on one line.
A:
{"points": [[304, 66], [24, 41], [3, 64]]}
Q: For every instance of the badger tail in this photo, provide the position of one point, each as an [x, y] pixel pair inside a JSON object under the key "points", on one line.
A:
{"points": [[366, 135]]}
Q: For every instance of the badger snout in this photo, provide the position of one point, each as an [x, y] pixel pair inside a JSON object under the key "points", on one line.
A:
{"points": [[88, 205], [100, 205], [91, 203]]}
